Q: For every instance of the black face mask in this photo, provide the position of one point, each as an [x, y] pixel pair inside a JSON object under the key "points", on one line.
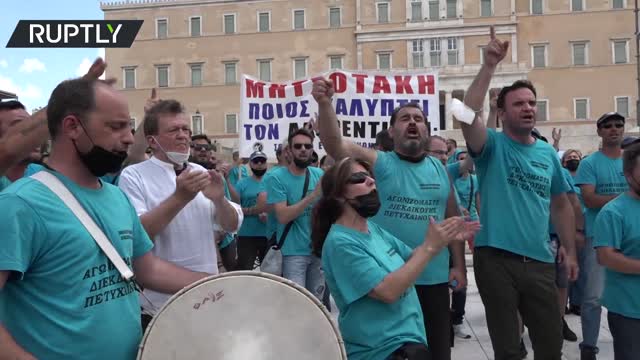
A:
{"points": [[302, 164], [99, 160], [366, 205], [572, 165], [257, 172]]}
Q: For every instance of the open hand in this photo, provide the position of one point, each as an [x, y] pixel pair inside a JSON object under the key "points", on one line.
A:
{"points": [[189, 183], [215, 189]]}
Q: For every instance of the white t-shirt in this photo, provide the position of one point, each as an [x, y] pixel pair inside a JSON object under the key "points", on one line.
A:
{"points": [[189, 239]]}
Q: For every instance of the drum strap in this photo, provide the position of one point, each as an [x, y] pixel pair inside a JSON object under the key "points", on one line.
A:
{"points": [[57, 187], [305, 188]]}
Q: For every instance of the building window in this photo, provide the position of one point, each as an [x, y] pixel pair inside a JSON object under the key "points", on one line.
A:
{"points": [[581, 109], [579, 53], [231, 123], [416, 10], [230, 73], [384, 61], [618, 4], [542, 108], [195, 26], [452, 51], [486, 8], [482, 48], [452, 12], [132, 123], [335, 62], [162, 28], [229, 23], [163, 75], [335, 17], [196, 124], [264, 70], [539, 56], [417, 50], [620, 51], [434, 10], [298, 19], [382, 9], [129, 77], [577, 5], [622, 105], [299, 68], [264, 22], [537, 7], [434, 52], [196, 74]]}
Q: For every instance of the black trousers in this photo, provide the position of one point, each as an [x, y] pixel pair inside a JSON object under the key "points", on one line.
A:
{"points": [[434, 301], [250, 247]]}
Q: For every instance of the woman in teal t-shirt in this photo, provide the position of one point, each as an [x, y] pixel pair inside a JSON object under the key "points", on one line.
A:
{"points": [[370, 273]]}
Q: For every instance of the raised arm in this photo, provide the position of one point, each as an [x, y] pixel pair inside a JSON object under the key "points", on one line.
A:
{"points": [[476, 134], [327, 122]]}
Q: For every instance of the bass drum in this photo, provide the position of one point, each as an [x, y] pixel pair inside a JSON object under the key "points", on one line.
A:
{"points": [[243, 315]]}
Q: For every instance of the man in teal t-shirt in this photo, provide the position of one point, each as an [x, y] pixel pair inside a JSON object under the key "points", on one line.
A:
{"points": [[616, 237], [238, 171], [284, 191], [412, 187], [601, 179], [521, 187]]}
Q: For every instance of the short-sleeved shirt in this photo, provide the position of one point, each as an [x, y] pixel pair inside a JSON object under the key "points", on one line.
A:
{"points": [[272, 221], [572, 189], [517, 182], [618, 226], [283, 186], [4, 182], [237, 173], [606, 175], [248, 190], [454, 158], [65, 300], [410, 193], [466, 189], [355, 263]]}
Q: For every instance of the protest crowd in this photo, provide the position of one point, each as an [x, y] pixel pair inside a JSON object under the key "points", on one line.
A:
{"points": [[380, 231]]}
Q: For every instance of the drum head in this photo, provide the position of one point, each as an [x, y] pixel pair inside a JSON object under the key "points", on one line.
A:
{"points": [[242, 315]]}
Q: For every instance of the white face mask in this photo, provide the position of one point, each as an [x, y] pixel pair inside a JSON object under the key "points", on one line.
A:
{"points": [[177, 158]]}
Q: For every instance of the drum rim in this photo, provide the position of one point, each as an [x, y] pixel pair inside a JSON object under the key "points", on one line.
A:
{"points": [[250, 273]]}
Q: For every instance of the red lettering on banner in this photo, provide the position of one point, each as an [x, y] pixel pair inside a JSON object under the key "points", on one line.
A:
{"points": [[426, 82], [297, 87], [339, 82], [359, 82], [381, 84], [254, 89], [277, 91], [403, 84]]}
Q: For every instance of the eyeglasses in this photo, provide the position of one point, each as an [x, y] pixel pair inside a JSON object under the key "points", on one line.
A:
{"points": [[258, 161], [201, 147], [438, 152], [609, 126], [306, 146], [358, 178]]}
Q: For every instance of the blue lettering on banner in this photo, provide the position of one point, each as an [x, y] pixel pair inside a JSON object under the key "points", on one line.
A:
{"points": [[260, 132], [292, 110]]}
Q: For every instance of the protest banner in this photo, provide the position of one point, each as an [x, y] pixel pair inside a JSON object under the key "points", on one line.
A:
{"points": [[363, 100]]}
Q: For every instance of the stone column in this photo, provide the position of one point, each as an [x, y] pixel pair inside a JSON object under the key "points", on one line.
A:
{"points": [[448, 118]]}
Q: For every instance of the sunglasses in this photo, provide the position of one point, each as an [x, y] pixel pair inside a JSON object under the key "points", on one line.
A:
{"points": [[609, 126], [358, 178], [306, 146], [258, 161], [204, 147]]}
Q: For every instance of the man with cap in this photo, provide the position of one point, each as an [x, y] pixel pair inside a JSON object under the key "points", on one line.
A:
{"points": [[629, 140], [252, 240], [601, 179]]}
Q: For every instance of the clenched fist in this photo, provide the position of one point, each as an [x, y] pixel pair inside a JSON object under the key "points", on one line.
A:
{"points": [[323, 90]]}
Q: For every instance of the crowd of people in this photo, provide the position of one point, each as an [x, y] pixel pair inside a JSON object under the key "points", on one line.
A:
{"points": [[382, 231]]}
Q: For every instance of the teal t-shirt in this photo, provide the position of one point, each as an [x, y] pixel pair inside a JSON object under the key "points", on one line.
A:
{"points": [[233, 174], [4, 182], [410, 193], [65, 300], [454, 158], [572, 189], [516, 184], [248, 190], [618, 226], [606, 175], [284, 186], [465, 191], [354, 263], [272, 222]]}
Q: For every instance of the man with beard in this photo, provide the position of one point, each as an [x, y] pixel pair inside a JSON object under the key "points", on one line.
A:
{"points": [[601, 180], [413, 187], [513, 264], [201, 150], [252, 241], [180, 204], [285, 192], [61, 296]]}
